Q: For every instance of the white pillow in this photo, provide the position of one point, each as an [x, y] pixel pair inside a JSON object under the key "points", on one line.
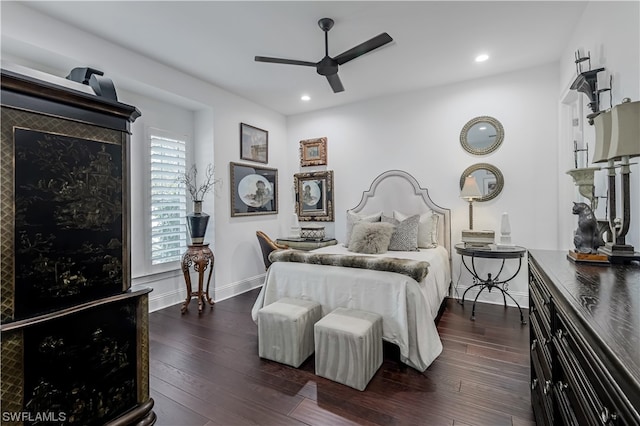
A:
{"points": [[353, 218], [427, 228]]}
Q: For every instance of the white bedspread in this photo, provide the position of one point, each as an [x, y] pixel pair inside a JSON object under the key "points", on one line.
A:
{"points": [[408, 308]]}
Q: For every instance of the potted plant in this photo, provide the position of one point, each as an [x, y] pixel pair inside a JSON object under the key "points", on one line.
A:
{"points": [[197, 220]]}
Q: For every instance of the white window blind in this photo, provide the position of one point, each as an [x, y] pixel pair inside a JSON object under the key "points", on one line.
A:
{"points": [[168, 200]]}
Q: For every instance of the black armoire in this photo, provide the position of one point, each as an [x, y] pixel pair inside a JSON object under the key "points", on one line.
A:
{"points": [[75, 337]]}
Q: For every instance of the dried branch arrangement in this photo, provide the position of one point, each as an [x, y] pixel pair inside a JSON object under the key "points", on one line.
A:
{"points": [[189, 179]]}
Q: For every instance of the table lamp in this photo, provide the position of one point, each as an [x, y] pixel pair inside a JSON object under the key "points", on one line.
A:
{"points": [[618, 139], [470, 192]]}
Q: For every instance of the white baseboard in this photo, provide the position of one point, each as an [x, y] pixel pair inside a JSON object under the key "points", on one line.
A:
{"points": [[239, 287], [177, 293], [164, 300], [495, 296]]}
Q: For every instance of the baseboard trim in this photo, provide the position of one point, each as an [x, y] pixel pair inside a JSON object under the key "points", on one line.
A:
{"points": [[494, 297], [239, 287]]}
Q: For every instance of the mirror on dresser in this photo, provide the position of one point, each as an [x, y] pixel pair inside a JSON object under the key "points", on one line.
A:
{"points": [[489, 178], [481, 135]]}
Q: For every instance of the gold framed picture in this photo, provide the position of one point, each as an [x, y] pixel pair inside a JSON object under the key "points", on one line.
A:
{"points": [[314, 196], [313, 152]]}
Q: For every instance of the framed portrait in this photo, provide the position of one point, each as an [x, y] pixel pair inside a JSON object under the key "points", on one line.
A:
{"points": [[314, 196], [313, 152], [254, 144], [254, 190]]}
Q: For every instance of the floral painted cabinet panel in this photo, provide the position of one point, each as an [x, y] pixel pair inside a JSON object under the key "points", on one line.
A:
{"points": [[74, 336]]}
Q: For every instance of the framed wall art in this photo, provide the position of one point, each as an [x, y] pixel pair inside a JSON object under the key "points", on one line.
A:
{"points": [[254, 190], [314, 196], [254, 144], [313, 152]]}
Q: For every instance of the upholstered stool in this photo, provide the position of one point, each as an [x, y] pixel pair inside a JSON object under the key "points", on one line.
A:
{"points": [[285, 330], [349, 346]]}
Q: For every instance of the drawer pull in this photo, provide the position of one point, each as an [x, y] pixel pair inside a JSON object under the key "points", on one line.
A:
{"points": [[547, 387], [559, 334], [606, 416], [533, 344], [534, 384], [562, 386]]}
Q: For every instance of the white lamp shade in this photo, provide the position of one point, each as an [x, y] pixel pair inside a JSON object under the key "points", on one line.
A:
{"points": [[625, 131], [470, 190], [602, 124]]}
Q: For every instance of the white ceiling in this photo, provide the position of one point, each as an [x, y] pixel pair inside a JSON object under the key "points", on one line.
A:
{"points": [[435, 42]]}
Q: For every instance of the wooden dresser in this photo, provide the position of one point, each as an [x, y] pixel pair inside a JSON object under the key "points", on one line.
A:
{"points": [[585, 341]]}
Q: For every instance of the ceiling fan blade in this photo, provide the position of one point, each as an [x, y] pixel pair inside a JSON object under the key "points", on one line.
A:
{"points": [[361, 49], [335, 83], [284, 61]]}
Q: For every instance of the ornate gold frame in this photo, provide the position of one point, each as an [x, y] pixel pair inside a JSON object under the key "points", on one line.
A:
{"points": [[313, 152], [320, 207]]}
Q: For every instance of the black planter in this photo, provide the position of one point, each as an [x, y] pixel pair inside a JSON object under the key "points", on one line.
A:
{"points": [[197, 223]]}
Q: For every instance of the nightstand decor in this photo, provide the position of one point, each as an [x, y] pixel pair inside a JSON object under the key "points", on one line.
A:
{"points": [[505, 231], [312, 232], [470, 192]]}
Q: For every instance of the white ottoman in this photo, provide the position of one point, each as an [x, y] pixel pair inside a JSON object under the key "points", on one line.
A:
{"points": [[349, 346], [285, 330]]}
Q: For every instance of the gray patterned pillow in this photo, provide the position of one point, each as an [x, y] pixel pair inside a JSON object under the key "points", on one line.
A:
{"points": [[427, 229], [405, 236], [370, 238]]}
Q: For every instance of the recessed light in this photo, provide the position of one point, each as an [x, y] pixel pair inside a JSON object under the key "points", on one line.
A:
{"points": [[482, 58], [305, 98]]}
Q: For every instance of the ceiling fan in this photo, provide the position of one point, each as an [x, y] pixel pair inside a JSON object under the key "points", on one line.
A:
{"points": [[328, 66]]}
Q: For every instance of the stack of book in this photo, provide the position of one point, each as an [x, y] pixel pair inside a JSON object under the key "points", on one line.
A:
{"points": [[478, 239]]}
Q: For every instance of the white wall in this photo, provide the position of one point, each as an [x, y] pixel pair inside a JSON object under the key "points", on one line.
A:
{"points": [[611, 32], [167, 98], [419, 132]]}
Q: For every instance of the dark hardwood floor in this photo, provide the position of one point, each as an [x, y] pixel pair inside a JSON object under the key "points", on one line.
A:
{"points": [[205, 370]]}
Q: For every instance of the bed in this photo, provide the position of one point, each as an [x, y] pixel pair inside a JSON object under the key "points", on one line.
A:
{"points": [[409, 302]]}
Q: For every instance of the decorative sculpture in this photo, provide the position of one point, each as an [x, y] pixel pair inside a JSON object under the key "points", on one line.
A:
{"points": [[586, 238]]}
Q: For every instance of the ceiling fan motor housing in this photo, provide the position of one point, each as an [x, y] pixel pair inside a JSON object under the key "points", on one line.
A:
{"points": [[327, 66]]}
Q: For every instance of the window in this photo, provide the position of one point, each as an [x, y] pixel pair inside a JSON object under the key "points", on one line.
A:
{"points": [[168, 200]]}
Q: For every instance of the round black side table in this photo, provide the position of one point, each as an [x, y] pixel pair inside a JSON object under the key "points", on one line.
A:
{"points": [[491, 281]]}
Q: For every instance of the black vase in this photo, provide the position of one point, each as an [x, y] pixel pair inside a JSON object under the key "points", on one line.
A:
{"points": [[197, 223]]}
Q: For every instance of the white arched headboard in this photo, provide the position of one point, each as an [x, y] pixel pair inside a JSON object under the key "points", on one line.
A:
{"points": [[398, 190]]}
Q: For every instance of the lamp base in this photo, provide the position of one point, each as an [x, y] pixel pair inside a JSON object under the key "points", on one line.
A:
{"points": [[594, 258], [479, 237], [619, 253]]}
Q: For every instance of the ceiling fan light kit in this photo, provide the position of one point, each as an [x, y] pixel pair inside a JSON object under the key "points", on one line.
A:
{"points": [[328, 66]]}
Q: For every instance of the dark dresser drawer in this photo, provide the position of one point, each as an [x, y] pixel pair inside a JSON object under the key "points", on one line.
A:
{"points": [[585, 341]]}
